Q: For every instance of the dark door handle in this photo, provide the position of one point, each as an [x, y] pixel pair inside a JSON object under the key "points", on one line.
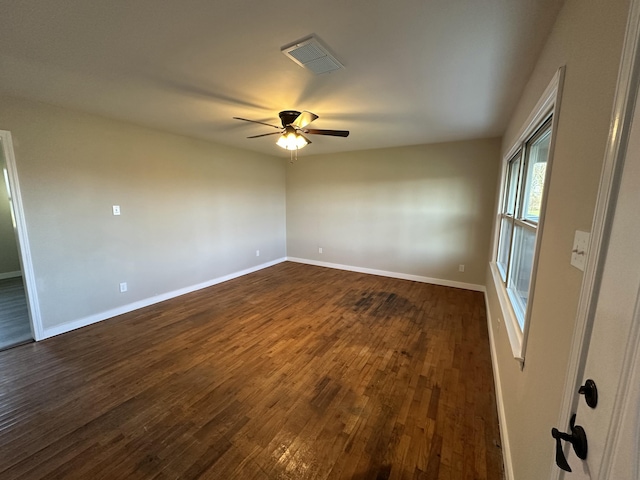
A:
{"points": [[590, 393], [577, 438]]}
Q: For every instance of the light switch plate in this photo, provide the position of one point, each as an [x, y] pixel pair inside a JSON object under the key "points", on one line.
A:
{"points": [[116, 209], [580, 249]]}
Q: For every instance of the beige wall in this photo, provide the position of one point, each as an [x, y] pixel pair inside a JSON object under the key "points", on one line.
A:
{"points": [[419, 210], [588, 40], [192, 211], [9, 260]]}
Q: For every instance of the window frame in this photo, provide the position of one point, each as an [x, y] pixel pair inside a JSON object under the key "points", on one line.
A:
{"points": [[544, 115], [518, 219]]}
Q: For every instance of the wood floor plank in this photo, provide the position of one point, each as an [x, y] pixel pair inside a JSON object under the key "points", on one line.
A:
{"points": [[292, 372]]}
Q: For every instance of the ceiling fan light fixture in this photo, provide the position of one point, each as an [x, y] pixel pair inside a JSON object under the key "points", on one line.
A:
{"points": [[290, 140], [293, 123]]}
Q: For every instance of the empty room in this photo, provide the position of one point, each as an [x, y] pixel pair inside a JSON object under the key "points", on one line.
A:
{"points": [[331, 240]]}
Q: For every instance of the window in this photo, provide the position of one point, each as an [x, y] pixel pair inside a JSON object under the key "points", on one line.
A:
{"points": [[520, 217]]}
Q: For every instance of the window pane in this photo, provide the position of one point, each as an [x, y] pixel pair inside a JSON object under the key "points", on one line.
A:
{"points": [[521, 263], [512, 186], [538, 152], [504, 246]]}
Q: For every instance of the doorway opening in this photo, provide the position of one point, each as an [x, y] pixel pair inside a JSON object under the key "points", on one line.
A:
{"points": [[19, 313]]}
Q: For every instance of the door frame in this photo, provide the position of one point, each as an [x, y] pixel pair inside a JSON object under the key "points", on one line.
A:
{"points": [[24, 248], [615, 153]]}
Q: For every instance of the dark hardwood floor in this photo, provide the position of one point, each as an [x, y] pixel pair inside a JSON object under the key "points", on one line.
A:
{"points": [[14, 316], [292, 372]]}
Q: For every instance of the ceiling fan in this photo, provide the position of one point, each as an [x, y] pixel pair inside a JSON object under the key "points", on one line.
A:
{"points": [[293, 127]]}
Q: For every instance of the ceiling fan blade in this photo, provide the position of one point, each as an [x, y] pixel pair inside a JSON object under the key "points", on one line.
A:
{"points": [[306, 139], [265, 134], [256, 121], [304, 119], [333, 133]]}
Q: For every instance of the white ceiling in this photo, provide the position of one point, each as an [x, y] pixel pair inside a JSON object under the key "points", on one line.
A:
{"points": [[417, 71]]}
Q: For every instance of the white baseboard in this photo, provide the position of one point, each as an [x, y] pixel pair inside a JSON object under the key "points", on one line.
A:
{"points": [[6, 275], [504, 433], [384, 273], [98, 317]]}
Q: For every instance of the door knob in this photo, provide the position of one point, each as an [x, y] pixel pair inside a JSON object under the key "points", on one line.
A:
{"points": [[590, 393], [577, 438]]}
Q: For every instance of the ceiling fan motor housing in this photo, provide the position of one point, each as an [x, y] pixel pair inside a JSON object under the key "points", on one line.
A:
{"points": [[288, 116]]}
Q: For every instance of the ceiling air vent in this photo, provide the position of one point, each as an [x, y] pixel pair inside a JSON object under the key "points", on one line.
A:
{"points": [[309, 53]]}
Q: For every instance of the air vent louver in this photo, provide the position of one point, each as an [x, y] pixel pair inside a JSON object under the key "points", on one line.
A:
{"points": [[309, 53]]}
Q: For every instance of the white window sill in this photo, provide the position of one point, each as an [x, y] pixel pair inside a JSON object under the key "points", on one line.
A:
{"points": [[510, 320]]}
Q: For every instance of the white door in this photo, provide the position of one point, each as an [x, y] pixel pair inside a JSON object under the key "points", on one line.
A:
{"points": [[613, 357], [612, 360]]}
